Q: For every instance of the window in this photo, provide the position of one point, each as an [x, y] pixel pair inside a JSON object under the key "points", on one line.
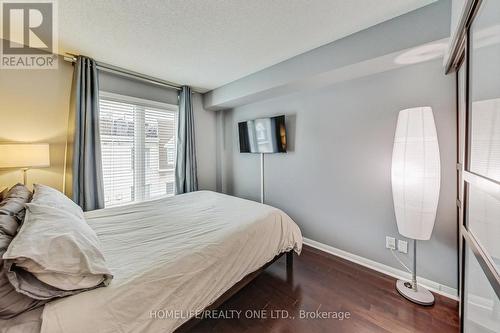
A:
{"points": [[138, 141]]}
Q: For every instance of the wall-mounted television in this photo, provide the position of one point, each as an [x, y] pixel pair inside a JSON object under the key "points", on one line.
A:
{"points": [[263, 135]]}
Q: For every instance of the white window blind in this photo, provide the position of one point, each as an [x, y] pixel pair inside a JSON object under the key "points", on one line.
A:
{"points": [[138, 140]]}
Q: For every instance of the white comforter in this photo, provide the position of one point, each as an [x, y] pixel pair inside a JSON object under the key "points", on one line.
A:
{"points": [[179, 253]]}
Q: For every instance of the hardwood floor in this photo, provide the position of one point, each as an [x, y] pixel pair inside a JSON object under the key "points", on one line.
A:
{"points": [[330, 286]]}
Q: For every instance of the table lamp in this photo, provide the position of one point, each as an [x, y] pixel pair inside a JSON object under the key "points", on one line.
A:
{"points": [[415, 175], [24, 156]]}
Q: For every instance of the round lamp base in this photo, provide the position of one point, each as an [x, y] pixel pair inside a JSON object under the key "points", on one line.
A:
{"points": [[421, 296]]}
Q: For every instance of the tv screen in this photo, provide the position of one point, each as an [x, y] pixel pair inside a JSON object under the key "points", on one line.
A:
{"points": [[263, 135]]}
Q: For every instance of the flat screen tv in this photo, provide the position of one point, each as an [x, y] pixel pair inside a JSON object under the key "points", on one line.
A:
{"points": [[263, 135]]}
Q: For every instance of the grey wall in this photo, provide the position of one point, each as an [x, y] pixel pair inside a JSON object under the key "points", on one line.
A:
{"points": [[205, 131], [335, 181], [136, 88]]}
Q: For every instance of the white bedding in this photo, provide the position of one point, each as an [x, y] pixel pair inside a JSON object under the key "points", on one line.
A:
{"points": [[27, 322], [178, 253]]}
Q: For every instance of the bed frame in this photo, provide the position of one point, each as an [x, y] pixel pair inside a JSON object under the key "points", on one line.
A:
{"points": [[184, 328]]}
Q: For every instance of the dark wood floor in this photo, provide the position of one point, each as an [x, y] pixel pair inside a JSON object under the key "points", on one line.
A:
{"points": [[325, 283]]}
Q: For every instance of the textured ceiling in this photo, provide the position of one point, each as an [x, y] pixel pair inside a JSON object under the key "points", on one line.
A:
{"points": [[208, 43]]}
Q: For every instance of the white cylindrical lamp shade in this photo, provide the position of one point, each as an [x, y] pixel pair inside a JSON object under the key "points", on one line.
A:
{"points": [[416, 173], [19, 155]]}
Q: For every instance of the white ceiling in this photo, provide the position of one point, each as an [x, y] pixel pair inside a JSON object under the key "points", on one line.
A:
{"points": [[208, 43]]}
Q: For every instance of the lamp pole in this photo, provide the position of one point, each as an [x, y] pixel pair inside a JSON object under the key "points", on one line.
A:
{"points": [[262, 178], [414, 271], [25, 175]]}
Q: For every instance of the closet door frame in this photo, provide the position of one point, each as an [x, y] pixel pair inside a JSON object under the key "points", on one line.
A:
{"points": [[461, 61]]}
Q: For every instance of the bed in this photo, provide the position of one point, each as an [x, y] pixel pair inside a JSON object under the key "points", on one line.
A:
{"points": [[172, 258]]}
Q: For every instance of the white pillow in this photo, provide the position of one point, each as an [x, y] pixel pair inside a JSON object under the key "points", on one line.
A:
{"points": [[47, 196], [58, 280], [58, 248]]}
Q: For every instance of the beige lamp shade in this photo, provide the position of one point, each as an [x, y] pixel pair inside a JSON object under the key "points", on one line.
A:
{"points": [[24, 155]]}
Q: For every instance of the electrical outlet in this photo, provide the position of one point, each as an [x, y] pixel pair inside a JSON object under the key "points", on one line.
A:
{"points": [[390, 242], [402, 246]]}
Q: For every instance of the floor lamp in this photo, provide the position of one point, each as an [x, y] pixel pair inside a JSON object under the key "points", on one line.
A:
{"points": [[415, 179]]}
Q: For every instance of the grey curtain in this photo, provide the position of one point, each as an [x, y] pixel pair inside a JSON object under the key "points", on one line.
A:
{"points": [[87, 182], [186, 179]]}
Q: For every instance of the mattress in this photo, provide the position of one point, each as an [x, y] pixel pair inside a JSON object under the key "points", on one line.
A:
{"points": [[171, 258]]}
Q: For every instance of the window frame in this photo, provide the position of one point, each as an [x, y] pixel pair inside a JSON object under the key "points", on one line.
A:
{"points": [[139, 195]]}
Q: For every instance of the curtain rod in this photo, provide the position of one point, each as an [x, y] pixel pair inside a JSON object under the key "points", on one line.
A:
{"points": [[125, 72]]}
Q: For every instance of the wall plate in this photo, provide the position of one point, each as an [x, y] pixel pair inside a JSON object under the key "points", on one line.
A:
{"points": [[402, 246], [390, 242]]}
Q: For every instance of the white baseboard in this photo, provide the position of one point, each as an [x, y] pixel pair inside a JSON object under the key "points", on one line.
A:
{"points": [[382, 268]]}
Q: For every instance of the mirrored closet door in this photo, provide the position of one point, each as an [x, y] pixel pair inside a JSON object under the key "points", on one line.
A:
{"points": [[478, 102]]}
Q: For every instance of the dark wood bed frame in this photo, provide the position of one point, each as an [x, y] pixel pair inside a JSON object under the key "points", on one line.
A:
{"points": [[238, 286]]}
